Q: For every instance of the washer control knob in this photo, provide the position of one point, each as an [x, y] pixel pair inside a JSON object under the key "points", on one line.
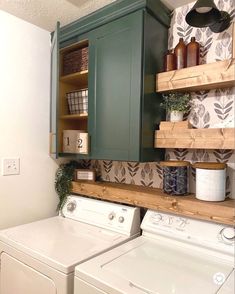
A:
{"points": [[158, 217], [111, 216], [183, 222], [228, 235], [169, 220], [71, 206], [121, 219]]}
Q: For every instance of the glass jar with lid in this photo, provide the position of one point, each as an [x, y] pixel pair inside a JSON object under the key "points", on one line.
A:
{"points": [[175, 177]]}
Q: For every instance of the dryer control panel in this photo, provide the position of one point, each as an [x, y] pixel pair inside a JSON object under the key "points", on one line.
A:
{"points": [[120, 218]]}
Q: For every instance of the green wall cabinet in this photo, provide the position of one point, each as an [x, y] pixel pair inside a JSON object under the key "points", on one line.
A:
{"points": [[127, 41], [115, 70]]}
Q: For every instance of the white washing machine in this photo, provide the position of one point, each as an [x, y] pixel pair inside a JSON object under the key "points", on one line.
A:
{"points": [[40, 257], [173, 256]]}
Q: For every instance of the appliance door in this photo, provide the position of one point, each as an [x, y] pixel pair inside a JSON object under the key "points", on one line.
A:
{"points": [[48, 240], [16, 277], [155, 267]]}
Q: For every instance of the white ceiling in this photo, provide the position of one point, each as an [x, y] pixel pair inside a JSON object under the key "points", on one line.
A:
{"points": [[45, 13]]}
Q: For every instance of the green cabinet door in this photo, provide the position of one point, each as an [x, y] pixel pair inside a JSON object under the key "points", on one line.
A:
{"points": [[54, 88], [115, 87]]}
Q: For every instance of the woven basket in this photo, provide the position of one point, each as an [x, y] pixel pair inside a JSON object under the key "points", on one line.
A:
{"points": [[78, 101], [75, 61]]}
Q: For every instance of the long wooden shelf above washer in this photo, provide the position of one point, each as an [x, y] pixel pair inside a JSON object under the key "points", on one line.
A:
{"points": [[218, 74], [153, 198], [196, 138]]}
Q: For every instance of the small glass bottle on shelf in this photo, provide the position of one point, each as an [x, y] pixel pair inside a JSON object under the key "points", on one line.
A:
{"points": [[193, 53], [169, 61], [180, 54]]}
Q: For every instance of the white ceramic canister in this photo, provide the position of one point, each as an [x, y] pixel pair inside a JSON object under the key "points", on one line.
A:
{"points": [[210, 181]]}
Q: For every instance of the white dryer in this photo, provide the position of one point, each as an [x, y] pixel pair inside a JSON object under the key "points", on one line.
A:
{"points": [[173, 256], [40, 257]]}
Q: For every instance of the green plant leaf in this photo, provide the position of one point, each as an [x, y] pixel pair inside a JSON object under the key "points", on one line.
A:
{"points": [[63, 181], [177, 102]]}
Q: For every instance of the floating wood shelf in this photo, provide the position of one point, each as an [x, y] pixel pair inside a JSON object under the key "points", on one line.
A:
{"points": [[74, 116], [196, 138], [152, 198], [78, 78], [218, 74]]}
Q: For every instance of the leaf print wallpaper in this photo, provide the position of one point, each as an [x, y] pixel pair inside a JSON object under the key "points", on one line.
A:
{"points": [[212, 109]]}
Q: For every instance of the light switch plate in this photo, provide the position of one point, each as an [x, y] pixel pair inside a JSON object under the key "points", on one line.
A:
{"points": [[10, 166]]}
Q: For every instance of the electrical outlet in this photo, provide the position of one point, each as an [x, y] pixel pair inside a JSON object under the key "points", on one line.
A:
{"points": [[10, 166]]}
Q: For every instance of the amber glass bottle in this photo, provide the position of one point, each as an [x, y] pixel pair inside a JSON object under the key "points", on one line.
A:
{"points": [[193, 51], [169, 61], [180, 54]]}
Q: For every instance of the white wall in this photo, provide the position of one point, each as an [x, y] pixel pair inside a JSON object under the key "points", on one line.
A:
{"points": [[24, 122]]}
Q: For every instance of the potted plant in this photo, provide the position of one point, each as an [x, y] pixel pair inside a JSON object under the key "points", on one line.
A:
{"points": [[176, 104], [63, 181]]}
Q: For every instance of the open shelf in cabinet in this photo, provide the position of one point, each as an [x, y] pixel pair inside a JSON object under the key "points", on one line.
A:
{"points": [[196, 138], [74, 116], [78, 79], [153, 198], [218, 74], [68, 83]]}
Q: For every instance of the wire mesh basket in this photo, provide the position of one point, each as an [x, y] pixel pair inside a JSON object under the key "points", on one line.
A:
{"points": [[78, 101]]}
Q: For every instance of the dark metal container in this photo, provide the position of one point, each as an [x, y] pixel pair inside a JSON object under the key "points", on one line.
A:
{"points": [[175, 177]]}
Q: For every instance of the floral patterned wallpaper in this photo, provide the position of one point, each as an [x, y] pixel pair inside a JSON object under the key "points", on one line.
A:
{"points": [[212, 109]]}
